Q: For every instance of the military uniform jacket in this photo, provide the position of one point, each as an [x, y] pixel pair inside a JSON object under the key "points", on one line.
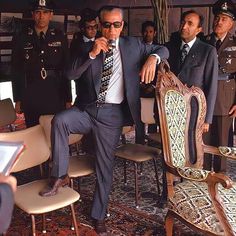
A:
{"points": [[29, 56], [225, 98]]}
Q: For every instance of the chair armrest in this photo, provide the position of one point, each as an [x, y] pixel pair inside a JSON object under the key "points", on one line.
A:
{"points": [[211, 150]]}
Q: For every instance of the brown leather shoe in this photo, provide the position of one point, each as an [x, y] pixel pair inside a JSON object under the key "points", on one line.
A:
{"points": [[100, 227], [54, 185]]}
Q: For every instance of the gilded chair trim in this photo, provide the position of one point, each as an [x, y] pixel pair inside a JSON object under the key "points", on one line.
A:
{"points": [[229, 152]]}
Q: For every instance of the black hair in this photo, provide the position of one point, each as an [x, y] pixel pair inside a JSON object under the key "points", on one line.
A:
{"points": [[147, 23], [87, 15], [201, 19]]}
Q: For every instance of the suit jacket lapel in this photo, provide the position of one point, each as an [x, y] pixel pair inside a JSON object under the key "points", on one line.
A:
{"points": [[96, 68], [191, 59]]}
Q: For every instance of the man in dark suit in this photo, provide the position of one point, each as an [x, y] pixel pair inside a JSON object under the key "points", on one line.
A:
{"points": [[225, 107], [7, 189], [195, 64], [109, 72]]}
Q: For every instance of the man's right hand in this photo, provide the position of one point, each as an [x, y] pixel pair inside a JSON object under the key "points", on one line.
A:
{"points": [[99, 45], [18, 107]]}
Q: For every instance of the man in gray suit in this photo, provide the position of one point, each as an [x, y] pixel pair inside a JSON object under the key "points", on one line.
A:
{"points": [[195, 64], [109, 71]]}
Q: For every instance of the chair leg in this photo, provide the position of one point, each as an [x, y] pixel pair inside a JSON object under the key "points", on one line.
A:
{"points": [[74, 219], [125, 173], [169, 223], [136, 185], [33, 225], [44, 224], [71, 183], [156, 173]]}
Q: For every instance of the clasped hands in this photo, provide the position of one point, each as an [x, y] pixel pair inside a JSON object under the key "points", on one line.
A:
{"points": [[148, 70]]}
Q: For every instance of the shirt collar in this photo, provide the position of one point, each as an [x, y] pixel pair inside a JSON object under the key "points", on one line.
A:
{"points": [[222, 39], [86, 40], [190, 44]]}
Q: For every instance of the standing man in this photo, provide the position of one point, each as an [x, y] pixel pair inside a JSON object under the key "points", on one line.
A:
{"points": [[149, 32], [148, 90], [39, 57], [195, 64], [109, 72], [88, 31], [225, 107]]}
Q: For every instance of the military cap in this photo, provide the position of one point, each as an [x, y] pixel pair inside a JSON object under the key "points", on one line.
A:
{"points": [[226, 7], [43, 5]]}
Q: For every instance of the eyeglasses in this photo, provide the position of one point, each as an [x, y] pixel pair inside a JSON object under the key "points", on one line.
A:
{"points": [[91, 27], [116, 24]]}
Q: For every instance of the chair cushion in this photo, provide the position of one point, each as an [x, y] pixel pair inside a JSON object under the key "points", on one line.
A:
{"points": [[136, 152], [81, 166], [28, 199], [192, 202]]}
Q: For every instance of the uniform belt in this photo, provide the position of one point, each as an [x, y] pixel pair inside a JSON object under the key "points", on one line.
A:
{"points": [[223, 77]]}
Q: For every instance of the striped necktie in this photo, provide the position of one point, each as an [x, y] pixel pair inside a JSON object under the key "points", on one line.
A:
{"points": [[106, 75], [184, 53]]}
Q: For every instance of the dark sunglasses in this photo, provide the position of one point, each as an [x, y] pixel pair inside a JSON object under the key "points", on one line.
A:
{"points": [[116, 24], [91, 27]]}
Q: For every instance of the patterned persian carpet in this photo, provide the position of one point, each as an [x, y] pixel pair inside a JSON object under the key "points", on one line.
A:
{"points": [[124, 219]]}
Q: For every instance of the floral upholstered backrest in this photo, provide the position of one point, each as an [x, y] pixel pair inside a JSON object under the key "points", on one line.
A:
{"points": [[176, 117], [174, 106]]}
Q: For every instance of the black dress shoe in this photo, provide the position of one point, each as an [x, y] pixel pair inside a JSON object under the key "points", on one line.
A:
{"points": [[54, 185], [100, 227]]}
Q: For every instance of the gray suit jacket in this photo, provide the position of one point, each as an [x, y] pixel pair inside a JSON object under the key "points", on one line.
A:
{"points": [[89, 71], [6, 206], [200, 69]]}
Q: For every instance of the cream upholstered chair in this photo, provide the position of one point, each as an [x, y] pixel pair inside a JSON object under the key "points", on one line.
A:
{"points": [[138, 153], [7, 113], [27, 196], [78, 165], [205, 201]]}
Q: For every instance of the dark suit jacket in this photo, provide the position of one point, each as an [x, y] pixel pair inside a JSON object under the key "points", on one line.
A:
{"points": [[200, 69], [226, 96], [6, 206], [89, 72]]}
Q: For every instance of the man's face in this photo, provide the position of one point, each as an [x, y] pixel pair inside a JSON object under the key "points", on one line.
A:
{"points": [[149, 34], [42, 18], [111, 24], [90, 29], [189, 27], [222, 24]]}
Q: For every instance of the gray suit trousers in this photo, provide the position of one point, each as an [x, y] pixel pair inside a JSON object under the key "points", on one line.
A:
{"points": [[106, 124]]}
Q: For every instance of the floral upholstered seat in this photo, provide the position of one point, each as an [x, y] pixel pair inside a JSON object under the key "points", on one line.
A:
{"points": [[204, 200]]}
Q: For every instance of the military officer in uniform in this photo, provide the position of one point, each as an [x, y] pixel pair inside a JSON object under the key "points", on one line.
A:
{"points": [[225, 107], [39, 57]]}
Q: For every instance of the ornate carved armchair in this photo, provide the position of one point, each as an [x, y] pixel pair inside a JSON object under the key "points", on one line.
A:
{"points": [[205, 201]]}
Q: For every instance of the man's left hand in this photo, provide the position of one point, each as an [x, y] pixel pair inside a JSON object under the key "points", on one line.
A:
{"points": [[232, 111], [148, 70]]}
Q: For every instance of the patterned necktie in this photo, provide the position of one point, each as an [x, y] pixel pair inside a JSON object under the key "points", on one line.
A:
{"points": [[218, 44], [184, 53], [106, 75]]}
